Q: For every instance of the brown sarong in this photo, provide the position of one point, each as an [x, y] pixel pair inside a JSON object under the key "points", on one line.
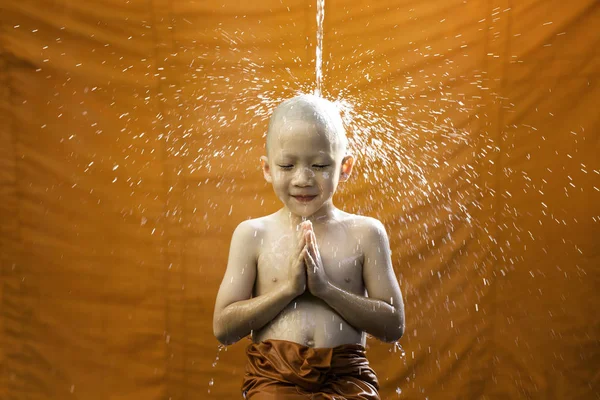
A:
{"points": [[279, 369]]}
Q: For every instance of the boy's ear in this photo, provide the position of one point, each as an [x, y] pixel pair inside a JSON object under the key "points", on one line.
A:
{"points": [[264, 165], [347, 164]]}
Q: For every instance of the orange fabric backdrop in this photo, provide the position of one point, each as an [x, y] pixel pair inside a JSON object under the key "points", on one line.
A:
{"points": [[130, 134]]}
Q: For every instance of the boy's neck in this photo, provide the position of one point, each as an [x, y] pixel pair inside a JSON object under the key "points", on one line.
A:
{"points": [[324, 215]]}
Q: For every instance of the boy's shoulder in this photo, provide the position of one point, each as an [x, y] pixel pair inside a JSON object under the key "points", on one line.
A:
{"points": [[254, 226], [249, 224], [258, 221], [362, 221]]}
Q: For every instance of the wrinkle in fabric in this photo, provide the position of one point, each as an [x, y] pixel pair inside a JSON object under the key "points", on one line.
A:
{"points": [[279, 369]]}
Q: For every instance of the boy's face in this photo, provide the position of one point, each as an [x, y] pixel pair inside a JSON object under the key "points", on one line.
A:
{"points": [[304, 166]]}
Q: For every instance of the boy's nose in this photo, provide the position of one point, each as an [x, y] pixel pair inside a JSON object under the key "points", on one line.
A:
{"points": [[303, 177]]}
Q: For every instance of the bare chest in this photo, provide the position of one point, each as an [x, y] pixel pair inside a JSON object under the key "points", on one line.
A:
{"points": [[340, 252]]}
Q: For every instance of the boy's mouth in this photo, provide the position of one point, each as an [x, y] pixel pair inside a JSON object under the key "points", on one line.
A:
{"points": [[304, 199]]}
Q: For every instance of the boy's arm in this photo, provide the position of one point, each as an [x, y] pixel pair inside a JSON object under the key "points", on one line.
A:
{"points": [[382, 313], [236, 312]]}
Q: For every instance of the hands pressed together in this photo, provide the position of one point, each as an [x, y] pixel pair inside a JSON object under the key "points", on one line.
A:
{"points": [[306, 269]]}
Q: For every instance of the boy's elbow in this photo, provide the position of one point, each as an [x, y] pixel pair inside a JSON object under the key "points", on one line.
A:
{"points": [[222, 335], [225, 340], [393, 336], [219, 334], [396, 332]]}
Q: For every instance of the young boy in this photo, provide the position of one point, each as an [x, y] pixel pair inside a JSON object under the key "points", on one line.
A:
{"points": [[297, 280]]}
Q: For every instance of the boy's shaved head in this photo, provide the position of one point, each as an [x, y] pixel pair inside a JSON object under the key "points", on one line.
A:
{"points": [[312, 109], [306, 155]]}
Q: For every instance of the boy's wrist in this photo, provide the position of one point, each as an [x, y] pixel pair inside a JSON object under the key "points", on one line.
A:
{"points": [[324, 292], [290, 291]]}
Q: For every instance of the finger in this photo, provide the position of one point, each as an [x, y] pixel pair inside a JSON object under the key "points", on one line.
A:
{"points": [[309, 243], [311, 263], [312, 247], [304, 226], [300, 232], [314, 243], [301, 243], [307, 258]]}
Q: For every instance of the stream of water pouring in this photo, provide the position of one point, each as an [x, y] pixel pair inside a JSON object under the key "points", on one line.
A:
{"points": [[319, 55]]}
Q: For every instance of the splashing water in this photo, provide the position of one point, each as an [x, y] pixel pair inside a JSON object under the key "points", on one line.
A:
{"points": [[397, 347], [405, 131], [220, 348], [319, 51]]}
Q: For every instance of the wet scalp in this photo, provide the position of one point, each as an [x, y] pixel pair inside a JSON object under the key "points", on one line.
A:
{"points": [[312, 109]]}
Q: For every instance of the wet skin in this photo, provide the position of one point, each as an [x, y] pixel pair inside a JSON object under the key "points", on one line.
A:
{"points": [[308, 319]]}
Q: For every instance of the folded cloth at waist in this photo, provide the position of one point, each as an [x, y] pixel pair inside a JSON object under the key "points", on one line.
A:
{"points": [[279, 369]]}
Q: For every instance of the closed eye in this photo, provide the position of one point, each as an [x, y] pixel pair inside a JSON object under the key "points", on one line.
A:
{"points": [[289, 167]]}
